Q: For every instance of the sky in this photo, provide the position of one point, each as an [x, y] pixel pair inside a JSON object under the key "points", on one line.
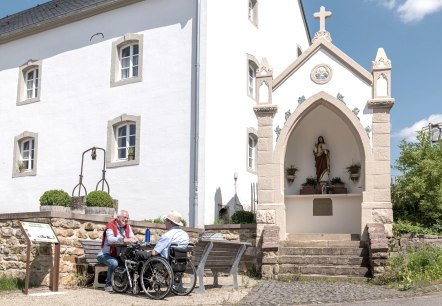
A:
{"points": [[408, 30]]}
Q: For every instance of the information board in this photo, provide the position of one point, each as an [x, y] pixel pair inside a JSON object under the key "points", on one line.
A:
{"points": [[39, 232]]}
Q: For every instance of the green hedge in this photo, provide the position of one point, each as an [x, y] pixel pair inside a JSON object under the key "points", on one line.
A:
{"points": [[243, 217], [99, 198], [55, 197]]}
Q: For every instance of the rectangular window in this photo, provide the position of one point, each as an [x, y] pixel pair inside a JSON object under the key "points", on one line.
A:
{"points": [[32, 84], [252, 152], [129, 61], [27, 155], [126, 136], [252, 77]]}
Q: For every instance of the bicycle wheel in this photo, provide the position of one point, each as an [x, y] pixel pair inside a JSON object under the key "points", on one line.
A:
{"points": [[184, 282], [120, 282], [156, 278]]}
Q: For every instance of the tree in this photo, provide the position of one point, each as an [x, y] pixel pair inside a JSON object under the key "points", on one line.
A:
{"points": [[417, 194]]}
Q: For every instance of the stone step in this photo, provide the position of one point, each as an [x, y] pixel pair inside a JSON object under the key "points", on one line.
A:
{"points": [[325, 260], [344, 278], [323, 236], [323, 243], [323, 251], [325, 270]]}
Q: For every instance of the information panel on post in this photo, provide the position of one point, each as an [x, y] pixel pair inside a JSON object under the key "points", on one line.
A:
{"points": [[41, 233]]}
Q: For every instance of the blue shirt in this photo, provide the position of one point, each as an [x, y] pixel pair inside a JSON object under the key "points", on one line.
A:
{"points": [[173, 236]]}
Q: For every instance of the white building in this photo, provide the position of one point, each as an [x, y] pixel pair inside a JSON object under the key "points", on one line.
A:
{"points": [[172, 79]]}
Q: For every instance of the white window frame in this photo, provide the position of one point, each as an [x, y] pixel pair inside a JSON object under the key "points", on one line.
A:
{"points": [[32, 85], [252, 150], [112, 157], [129, 70], [28, 156], [252, 66], [253, 11], [117, 59]]}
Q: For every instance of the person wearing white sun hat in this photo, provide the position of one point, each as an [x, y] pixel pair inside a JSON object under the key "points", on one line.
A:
{"points": [[174, 235]]}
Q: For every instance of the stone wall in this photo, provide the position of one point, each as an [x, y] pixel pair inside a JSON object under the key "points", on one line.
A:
{"points": [[382, 248], [70, 228]]}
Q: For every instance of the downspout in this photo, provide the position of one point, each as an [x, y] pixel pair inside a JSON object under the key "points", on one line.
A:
{"points": [[196, 115]]}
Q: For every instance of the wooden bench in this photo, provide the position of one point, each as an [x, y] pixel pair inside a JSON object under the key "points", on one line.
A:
{"points": [[91, 249], [220, 256]]}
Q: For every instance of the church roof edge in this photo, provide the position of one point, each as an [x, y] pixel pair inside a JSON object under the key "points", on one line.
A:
{"points": [[319, 44], [53, 14]]}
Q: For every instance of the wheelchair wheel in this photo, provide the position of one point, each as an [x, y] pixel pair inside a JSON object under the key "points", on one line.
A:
{"points": [[120, 282], [156, 278], [184, 282]]}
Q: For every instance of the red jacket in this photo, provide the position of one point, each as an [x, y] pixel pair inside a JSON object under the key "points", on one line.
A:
{"points": [[113, 226]]}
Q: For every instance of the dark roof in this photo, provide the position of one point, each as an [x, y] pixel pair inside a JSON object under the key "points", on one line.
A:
{"points": [[52, 14]]}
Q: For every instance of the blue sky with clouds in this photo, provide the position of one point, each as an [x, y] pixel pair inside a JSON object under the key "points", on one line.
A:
{"points": [[408, 30]]}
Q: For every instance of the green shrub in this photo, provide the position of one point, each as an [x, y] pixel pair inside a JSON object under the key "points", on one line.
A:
{"points": [[406, 227], [55, 197], [160, 219], [243, 217], [8, 284], [421, 266], [99, 199]]}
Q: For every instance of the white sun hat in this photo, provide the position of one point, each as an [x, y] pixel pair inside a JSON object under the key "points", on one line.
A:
{"points": [[175, 217]]}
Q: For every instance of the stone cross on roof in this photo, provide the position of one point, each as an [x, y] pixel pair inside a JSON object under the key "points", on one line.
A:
{"points": [[322, 33], [322, 14]]}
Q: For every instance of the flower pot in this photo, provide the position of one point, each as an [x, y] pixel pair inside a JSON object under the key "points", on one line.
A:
{"points": [[307, 189], [354, 176], [290, 178]]}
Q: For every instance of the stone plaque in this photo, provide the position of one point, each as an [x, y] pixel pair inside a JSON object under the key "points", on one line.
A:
{"points": [[322, 207]]}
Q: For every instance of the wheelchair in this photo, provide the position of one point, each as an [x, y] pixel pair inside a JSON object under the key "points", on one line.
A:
{"points": [[184, 273]]}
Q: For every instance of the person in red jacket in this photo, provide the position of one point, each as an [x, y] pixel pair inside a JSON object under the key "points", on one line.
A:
{"points": [[116, 231]]}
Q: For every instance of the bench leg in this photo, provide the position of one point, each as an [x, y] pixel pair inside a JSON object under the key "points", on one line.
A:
{"points": [[215, 278], [97, 271], [234, 273], [200, 275]]}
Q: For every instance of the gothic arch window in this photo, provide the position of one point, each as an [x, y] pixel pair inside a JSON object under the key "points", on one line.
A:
{"points": [[127, 60], [252, 66], [382, 86], [252, 141], [253, 12], [25, 154], [123, 141], [29, 80]]}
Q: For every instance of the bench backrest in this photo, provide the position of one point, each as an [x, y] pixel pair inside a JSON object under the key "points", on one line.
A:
{"points": [[222, 256], [91, 249]]}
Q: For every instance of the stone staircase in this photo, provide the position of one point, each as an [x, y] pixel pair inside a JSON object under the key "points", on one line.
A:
{"points": [[324, 255]]}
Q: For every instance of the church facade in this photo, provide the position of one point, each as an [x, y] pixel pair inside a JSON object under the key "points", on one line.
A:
{"points": [[337, 132], [164, 89]]}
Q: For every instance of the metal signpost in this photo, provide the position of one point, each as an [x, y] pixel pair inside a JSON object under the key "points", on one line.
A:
{"points": [[41, 233]]}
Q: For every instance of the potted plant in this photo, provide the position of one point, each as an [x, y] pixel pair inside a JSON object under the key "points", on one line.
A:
{"points": [[354, 171], [55, 200], [131, 153], [291, 173], [20, 166], [309, 186], [337, 185], [100, 202]]}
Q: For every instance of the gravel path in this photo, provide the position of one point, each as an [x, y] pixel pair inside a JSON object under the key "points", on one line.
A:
{"points": [[251, 292]]}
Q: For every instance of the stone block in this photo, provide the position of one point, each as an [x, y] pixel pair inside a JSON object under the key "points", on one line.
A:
{"points": [[383, 216]]}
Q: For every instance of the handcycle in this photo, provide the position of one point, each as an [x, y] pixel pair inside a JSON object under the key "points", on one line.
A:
{"points": [[184, 273], [155, 275]]}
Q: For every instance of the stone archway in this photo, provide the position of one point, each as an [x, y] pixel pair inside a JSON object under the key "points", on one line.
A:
{"points": [[354, 129]]}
